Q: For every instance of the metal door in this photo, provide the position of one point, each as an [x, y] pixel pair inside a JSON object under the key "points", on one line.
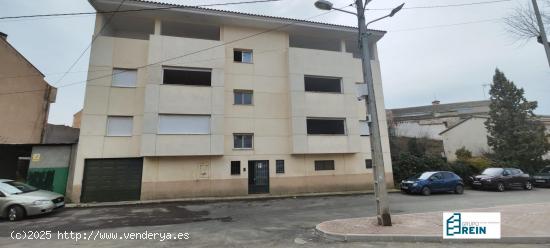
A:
{"points": [[258, 176], [109, 180]]}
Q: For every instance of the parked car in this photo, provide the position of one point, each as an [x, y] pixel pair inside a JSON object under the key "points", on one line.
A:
{"points": [[502, 179], [18, 200], [542, 179], [433, 181]]}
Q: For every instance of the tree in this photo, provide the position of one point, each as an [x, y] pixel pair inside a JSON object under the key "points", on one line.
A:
{"points": [[527, 23], [515, 134], [463, 154], [522, 23]]}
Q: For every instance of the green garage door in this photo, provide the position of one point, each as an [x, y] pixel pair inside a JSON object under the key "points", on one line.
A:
{"points": [[108, 180]]}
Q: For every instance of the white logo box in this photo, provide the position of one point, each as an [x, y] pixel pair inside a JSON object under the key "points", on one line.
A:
{"points": [[471, 225]]}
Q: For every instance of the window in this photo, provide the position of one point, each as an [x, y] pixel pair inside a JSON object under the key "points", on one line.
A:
{"points": [[243, 97], [364, 128], [184, 124], [242, 56], [235, 167], [243, 141], [119, 125], [124, 77], [368, 163], [436, 176], [280, 166], [323, 84], [190, 30], [326, 126], [187, 76], [324, 165]]}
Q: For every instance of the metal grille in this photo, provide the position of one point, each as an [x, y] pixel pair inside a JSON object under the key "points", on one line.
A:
{"points": [[235, 167], [368, 163], [280, 166]]}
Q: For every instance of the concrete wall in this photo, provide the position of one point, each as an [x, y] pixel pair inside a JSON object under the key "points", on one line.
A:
{"points": [[25, 99], [199, 165], [49, 167], [470, 134]]}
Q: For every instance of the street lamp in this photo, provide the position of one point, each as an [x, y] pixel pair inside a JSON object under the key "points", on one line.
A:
{"points": [[380, 191]]}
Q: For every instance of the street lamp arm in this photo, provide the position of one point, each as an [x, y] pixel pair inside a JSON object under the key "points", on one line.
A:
{"points": [[345, 11], [377, 19]]}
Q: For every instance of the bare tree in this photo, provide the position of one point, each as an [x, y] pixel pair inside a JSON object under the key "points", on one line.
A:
{"points": [[527, 23], [522, 23]]}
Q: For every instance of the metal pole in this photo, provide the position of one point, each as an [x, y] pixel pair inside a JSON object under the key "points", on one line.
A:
{"points": [[380, 191], [542, 31]]}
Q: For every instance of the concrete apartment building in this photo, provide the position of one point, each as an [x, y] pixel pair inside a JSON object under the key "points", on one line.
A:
{"points": [[430, 120], [193, 102]]}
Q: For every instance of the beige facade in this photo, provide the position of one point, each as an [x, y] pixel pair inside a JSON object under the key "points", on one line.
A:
{"points": [[196, 165], [25, 98]]}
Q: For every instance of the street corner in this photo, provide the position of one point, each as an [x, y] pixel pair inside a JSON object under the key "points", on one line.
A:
{"points": [[513, 225]]}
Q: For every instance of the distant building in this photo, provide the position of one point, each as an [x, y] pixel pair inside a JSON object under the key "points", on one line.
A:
{"points": [[430, 120], [25, 98], [77, 118], [471, 134], [31, 150]]}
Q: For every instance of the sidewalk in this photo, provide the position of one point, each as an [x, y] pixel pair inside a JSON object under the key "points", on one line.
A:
{"points": [[257, 197], [525, 223]]}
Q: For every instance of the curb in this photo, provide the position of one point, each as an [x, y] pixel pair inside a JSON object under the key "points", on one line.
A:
{"points": [[424, 238], [221, 199]]}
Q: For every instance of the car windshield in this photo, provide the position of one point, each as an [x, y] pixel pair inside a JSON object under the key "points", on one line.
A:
{"points": [[423, 176], [545, 170], [13, 187], [492, 171]]}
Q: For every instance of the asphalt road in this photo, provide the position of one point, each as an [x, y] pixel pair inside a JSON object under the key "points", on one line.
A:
{"points": [[262, 223]]}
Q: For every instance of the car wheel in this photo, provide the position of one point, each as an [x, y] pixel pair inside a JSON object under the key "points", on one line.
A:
{"points": [[15, 213], [500, 187], [528, 185], [426, 191], [459, 189]]}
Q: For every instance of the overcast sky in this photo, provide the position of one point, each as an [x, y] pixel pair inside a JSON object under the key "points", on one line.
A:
{"points": [[423, 57]]}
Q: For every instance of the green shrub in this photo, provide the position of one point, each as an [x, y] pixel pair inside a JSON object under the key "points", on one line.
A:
{"points": [[463, 154]]}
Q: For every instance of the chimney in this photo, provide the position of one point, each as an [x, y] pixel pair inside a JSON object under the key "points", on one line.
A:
{"points": [[436, 102], [3, 36]]}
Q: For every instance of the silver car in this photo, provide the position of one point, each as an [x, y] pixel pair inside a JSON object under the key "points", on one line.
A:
{"points": [[18, 200]]}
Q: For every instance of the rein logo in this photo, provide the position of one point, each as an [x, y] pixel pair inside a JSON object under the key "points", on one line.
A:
{"points": [[471, 225]]}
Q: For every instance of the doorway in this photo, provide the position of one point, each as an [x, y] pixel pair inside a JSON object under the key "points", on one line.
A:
{"points": [[258, 176]]}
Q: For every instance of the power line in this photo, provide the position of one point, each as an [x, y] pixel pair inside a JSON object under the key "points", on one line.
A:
{"points": [[447, 5], [133, 10], [187, 54], [223, 4], [90, 45], [445, 25]]}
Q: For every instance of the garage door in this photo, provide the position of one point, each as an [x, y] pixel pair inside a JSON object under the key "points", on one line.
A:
{"points": [[108, 180]]}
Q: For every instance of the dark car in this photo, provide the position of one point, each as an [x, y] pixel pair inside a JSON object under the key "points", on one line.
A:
{"points": [[542, 179], [502, 179], [433, 181]]}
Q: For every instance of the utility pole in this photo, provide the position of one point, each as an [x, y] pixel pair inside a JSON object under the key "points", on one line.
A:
{"points": [[541, 30], [380, 191]]}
